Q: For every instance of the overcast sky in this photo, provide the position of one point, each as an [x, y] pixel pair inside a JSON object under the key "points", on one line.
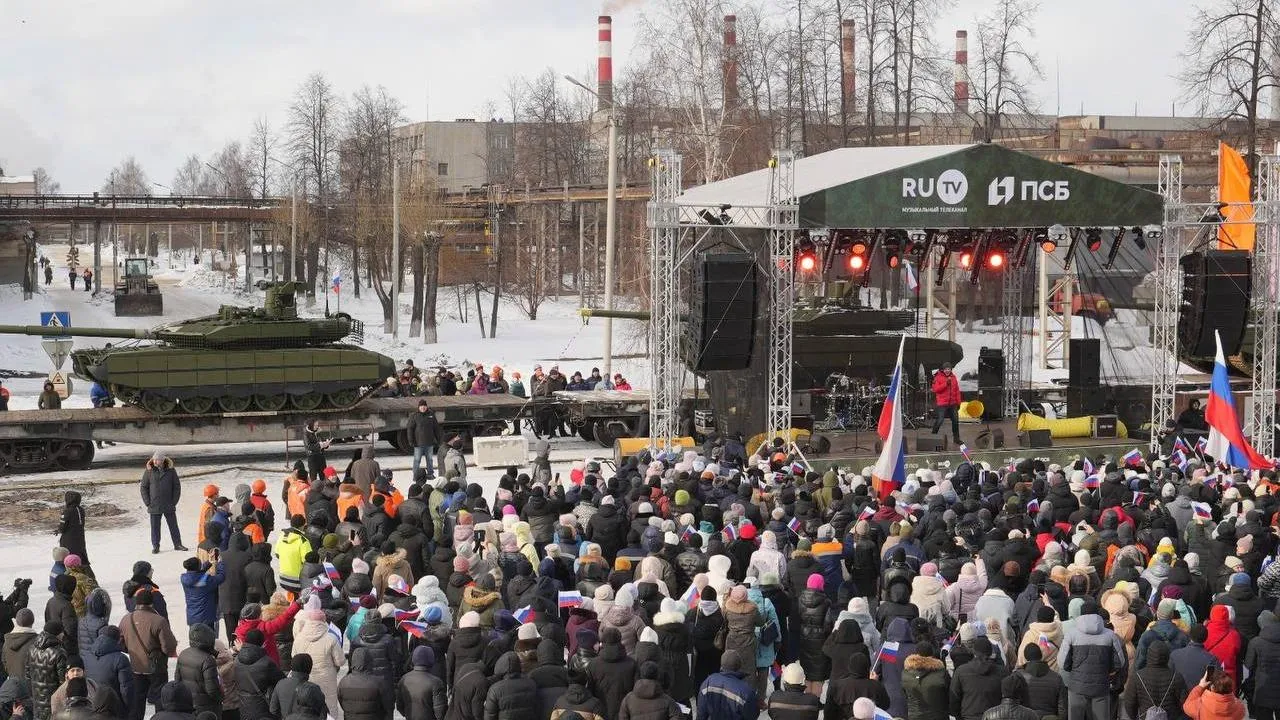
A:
{"points": [[86, 84]]}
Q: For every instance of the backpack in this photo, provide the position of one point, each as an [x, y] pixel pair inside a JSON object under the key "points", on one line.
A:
{"points": [[1156, 711]]}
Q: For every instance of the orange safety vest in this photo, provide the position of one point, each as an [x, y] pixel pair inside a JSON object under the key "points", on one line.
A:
{"points": [[390, 503], [298, 498], [254, 531], [206, 511], [349, 496]]}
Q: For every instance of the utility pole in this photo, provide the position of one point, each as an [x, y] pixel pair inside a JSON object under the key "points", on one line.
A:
{"points": [[293, 234], [495, 221], [610, 240]]}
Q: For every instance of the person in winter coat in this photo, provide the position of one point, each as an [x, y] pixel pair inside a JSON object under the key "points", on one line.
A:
{"points": [[106, 664], [146, 634], [251, 618], [1262, 660], [1154, 685], [482, 599], [1091, 658], [577, 701], [200, 585], [18, 643], [623, 618], [291, 549], [161, 490], [60, 608], [648, 702], [365, 471], [1046, 632], [233, 591], [309, 704], [85, 583], [424, 435], [311, 637], [364, 694], [674, 644], [767, 558], [173, 702], [469, 692], [97, 614], [512, 696], [78, 706], [889, 668], [71, 527], [1165, 629], [420, 693], [455, 465], [392, 560], [815, 628], [729, 694], [1046, 692], [256, 675], [742, 618], [706, 628], [963, 594], [612, 673], [1213, 698], [1013, 701], [198, 669], [1191, 660], [1223, 641], [46, 667], [975, 686], [855, 682], [284, 694]]}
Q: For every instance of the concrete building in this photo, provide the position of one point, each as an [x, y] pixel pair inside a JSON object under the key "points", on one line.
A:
{"points": [[17, 185], [460, 155]]}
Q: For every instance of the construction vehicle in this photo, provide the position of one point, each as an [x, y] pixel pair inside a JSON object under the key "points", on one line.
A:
{"points": [[137, 293]]}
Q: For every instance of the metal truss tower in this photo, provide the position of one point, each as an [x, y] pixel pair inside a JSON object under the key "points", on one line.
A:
{"points": [[783, 220], [666, 373], [1012, 338], [1168, 299], [1260, 425]]}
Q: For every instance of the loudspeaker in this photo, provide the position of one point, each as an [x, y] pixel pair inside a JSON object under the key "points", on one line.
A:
{"points": [[931, 443], [992, 403], [1035, 439], [1083, 401], [1084, 366], [990, 369], [1216, 287], [720, 330]]}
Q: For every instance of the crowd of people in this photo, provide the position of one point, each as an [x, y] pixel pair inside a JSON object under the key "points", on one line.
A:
{"points": [[695, 585], [478, 381]]}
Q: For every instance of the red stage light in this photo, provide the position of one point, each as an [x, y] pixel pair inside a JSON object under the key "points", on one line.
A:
{"points": [[857, 262], [808, 262], [966, 259], [995, 259]]}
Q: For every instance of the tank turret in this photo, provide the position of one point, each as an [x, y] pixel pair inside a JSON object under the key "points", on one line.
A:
{"points": [[239, 359]]}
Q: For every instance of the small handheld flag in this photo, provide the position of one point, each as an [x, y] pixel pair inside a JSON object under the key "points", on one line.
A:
{"points": [[1092, 482], [888, 652], [731, 532], [690, 597], [410, 614], [570, 599], [400, 586], [331, 571], [866, 513], [1202, 445], [337, 282], [413, 627], [1139, 498], [964, 450], [688, 533], [794, 525], [336, 633], [913, 283], [320, 582], [1179, 458], [1133, 457], [1202, 510], [1033, 506], [523, 614], [1086, 465], [1180, 444]]}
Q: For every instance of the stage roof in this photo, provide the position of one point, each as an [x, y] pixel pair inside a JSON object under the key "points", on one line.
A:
{"points": [[941, 186]]}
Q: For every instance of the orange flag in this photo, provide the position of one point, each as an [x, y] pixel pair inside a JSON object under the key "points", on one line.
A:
{"points": [[1233, 189]]}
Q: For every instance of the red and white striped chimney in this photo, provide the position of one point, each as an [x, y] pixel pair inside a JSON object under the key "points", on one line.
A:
{"points": [[729, 64], [604, 63], [962, 71], [848, 75]]}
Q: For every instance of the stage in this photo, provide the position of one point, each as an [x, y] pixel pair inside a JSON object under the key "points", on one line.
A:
{"points": [[858, 450]]}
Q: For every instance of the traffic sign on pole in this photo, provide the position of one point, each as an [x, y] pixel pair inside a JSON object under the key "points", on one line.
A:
{"points": [[61, 383], [55, 319], [58, 349]]}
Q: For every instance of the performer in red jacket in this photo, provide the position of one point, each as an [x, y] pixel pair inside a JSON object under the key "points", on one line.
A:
{"points": [[946, 388]]}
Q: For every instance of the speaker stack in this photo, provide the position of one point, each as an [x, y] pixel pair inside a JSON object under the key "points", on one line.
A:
{"points": [[1216, 288], [1084, 391], [720, 330], [991, 382]]}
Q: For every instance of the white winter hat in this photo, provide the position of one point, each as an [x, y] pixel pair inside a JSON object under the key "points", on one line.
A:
{"points": [[793, 674]]}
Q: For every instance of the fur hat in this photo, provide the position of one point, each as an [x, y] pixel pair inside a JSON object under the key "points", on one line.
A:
{"points": [[528, 631], [793, 674], [470, 619]]}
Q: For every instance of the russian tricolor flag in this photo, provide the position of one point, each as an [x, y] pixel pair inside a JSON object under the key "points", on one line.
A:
{"points": [[1087, 466], [523, 614], [1092, 482], [964, 450], [890, 471], [1180, 444], [1202, 510], [1179, 458], [731, 532], [570, 599], [1133, 457], [414, 627], [690, 597], [1226, 442], [332, 572], [1033, 506], [866, 513], [794, 525], [889, 652]]}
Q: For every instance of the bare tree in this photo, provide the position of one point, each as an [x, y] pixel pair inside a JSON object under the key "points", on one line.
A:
{"points": [[189, 178], [127, 178], [1230, 63], [314, 119], [371, 117], [45, 185], [232, 170], [262, 142], [1000, 82]]}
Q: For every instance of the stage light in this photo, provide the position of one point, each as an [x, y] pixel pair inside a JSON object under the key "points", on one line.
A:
{"points": [[857, 262], [1139, 239], [806, 256], [966, 259], [859, 246], [808, 262], [1154, 232], [995, 258], [1093, 237]]}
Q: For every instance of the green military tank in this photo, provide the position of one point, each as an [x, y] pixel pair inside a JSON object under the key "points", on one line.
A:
{"points": [[237, 360]]}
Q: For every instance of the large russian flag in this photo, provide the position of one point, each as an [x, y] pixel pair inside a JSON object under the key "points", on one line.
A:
{"points": [[1226, 442], [890, 471]]}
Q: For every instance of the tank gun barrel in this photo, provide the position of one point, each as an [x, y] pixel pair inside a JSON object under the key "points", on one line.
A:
{"points": [[588, 313], [120, 333]]}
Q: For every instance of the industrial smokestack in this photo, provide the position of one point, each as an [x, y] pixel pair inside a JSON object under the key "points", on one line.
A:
{"points": [[962, 71], [730, 62], [604, 68], [848, 76]]}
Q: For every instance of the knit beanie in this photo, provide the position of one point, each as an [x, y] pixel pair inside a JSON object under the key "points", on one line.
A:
{"points": [[470, 619]]}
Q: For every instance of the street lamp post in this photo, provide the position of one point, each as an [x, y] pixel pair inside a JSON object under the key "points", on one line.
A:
{"points": [[395, 249], [610, 229]]}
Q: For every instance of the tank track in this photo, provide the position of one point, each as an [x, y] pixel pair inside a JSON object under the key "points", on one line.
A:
{"points": [[252, 411]]}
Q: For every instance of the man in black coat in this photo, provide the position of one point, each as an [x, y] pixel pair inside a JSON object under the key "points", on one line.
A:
{"points": [[363, 693], [792, 702], [420, 694], [975, 686], [285, 691], [161, 490], [424, 435], [410, 538], [60, 608], [612, 673], [231, 594], [608, 528], [308, 703], [259, 579], [470, 688], [513, 696], [198, 670], [256, 675]]}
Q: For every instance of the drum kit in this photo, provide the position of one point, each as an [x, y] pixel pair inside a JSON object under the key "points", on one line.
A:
{"points": [[853, 404]]}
